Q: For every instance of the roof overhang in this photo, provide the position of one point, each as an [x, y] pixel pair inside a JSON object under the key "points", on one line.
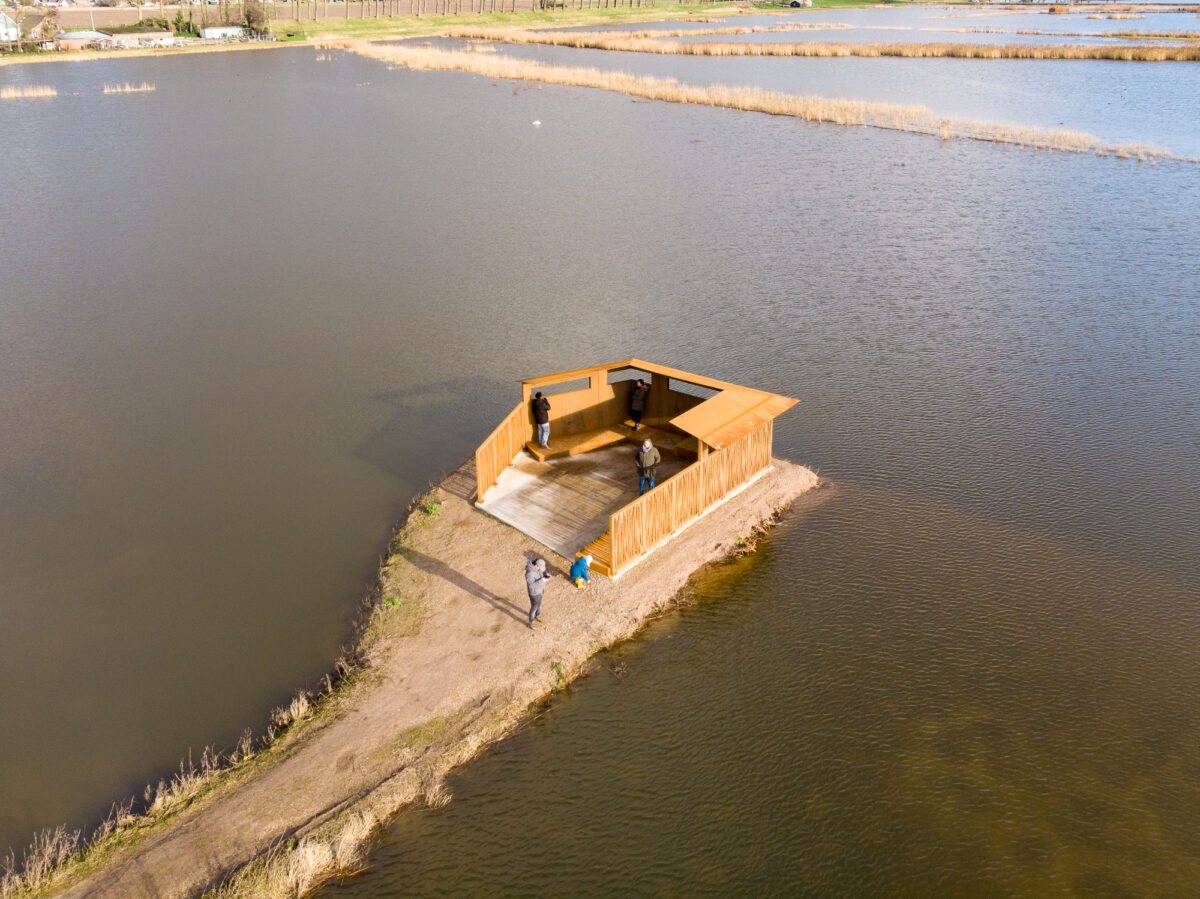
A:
{"points": [[731, 415]]}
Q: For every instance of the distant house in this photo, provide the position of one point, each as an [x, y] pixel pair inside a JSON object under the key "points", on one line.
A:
{"points": [[33, 28], [223, 33], [81, 40], [144, 39], [10, 31]]}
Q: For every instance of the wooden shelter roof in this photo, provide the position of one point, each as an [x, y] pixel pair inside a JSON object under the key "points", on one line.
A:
{"points": [[718, 421], [731, 415]]}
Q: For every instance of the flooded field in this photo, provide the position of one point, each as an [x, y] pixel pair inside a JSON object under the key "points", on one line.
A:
{"points": [[246, 316], [1150, 103]]}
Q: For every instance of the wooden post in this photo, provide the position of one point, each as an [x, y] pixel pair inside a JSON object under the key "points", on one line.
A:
{"points": [[658, 400]]}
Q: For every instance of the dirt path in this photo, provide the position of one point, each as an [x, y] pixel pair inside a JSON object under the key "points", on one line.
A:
{"points": [[435, 698]]}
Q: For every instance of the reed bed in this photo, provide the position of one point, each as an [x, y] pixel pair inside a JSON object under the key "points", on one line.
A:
{"points": [[730, 30], [53, 851], [127, 88], [1122, 35], [1091, 8], [314, 860], [890, 116], [1157, 35], [634, 44], [515, 35], [28, 92]]}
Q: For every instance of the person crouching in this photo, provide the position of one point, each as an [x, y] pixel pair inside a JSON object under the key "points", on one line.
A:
{"points": [[579, 571]]}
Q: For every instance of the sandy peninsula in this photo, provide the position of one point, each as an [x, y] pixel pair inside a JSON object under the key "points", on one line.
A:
{"points": [[448, 665]]}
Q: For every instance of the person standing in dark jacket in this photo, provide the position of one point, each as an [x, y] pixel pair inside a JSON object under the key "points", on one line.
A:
{"points": [[647, 460], [637, 402], [541, 417], [535, 584]]}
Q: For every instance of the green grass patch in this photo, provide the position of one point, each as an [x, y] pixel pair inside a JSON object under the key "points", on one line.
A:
{"points": [[416, 26], [845, 4]]}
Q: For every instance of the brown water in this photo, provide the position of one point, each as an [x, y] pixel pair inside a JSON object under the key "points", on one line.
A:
{"points": [[893, 697], [253, 312]]}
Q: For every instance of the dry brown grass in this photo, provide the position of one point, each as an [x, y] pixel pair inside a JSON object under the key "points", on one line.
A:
{"points": [[513, 35], [28, 92], [53, 851], [1122, 35], [314, 861], [640, 43], [1157, 35], [48, 851], [916, 119], [731, 30], [433, 788], [297, 710], [127, 88]]}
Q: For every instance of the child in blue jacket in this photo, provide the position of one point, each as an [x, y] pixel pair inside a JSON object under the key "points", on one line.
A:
{"points": [[579, 571]]}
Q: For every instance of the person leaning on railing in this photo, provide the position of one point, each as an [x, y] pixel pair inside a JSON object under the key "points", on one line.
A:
{"points": [[637, 402], [541, 417]]}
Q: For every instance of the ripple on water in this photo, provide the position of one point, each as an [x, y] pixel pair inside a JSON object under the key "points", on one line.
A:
{"points": [[889, 691]]}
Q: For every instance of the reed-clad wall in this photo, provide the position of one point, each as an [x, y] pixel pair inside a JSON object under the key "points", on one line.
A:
{"points": [[665, 509], [497, 452]]}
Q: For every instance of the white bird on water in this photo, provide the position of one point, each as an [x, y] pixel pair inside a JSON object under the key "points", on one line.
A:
{"points": [[537, 124]]}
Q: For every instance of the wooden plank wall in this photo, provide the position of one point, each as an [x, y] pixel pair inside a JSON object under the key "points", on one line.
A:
{"points": [[665, 403], [599, 405], [604, 405], [667, 507], [497, 452]]}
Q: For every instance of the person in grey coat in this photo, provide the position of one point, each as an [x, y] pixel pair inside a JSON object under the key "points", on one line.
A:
{"points": [[647, 459], [535, 583]]}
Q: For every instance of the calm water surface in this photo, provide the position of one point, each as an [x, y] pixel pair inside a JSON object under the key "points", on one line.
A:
{"points": [[286, 294], [928, 23], [877, 703], [1149, 103]]}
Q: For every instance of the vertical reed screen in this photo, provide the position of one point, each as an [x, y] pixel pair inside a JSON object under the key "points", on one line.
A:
{"points": [[666, 508], [497, 452]]}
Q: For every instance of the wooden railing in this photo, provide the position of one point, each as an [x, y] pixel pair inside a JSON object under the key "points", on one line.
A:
{"points": [[655, 516], [497, 452]]}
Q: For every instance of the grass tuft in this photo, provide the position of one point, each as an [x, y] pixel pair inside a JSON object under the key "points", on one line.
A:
{"points": [[44, 855]]}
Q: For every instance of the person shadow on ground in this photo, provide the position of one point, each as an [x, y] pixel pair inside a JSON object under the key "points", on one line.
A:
{"points": [[440, 569]]}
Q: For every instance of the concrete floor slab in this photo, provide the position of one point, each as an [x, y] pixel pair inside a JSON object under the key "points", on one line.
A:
{"points": [[565, 502]]}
